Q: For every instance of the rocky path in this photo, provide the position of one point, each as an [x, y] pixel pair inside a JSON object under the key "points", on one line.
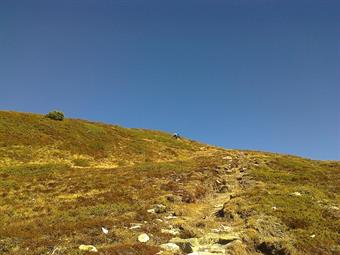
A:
{"points": [[212, 226]]}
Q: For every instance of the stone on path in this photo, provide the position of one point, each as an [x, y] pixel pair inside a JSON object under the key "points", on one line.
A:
{"points": [[170, 247], [90, 248], [143, 238]]}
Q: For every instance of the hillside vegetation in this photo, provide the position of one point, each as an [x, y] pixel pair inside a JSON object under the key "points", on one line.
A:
{"points": [[32, 138], [61, 182]]}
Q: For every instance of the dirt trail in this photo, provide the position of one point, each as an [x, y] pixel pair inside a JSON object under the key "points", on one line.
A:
{"points": [[213, 213]]}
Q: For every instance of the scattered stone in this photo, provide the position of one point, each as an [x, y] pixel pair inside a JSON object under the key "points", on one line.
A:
{"points": [[297, 194], [105, 230], [151, 210], [223, 189], [173, 231], [160, 208], [213, 249], [312, 236], [213, 238], [186, 245], [143, 238], [225, 213], [170, 247], [274, 208], [243, 169], [272, 248], [170, 217], [135, 226], [170, 198], [222, 229], [90, 248], [227, 158]]}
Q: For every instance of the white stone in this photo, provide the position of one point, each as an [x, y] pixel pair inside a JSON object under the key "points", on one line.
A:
{"points": [[297, 194], [170, 217], [105, 230], [91, 248], [174, 231], [170, 247], [143, 238], [135, 225]]}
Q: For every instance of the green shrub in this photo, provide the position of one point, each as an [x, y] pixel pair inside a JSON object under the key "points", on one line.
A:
{"points": [[55, 115]]}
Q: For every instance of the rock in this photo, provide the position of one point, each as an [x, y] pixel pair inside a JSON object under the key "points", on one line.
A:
{"points": [[170, 247], [205, 253], [135, 226], [160, 208], [173, 231], [297, 194], [213, 238], [312, 236], [272, 248], [227, 158], [151, 210], [105, 230], [225, 213], [186, 245], [222, 229], [223, 189], [90, 248], [143, 238], [170, 198], [214, 249], [274, 208], [170, 217]]}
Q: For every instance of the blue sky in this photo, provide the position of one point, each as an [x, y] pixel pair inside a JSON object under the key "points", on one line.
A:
{"points": [[255, 74]]}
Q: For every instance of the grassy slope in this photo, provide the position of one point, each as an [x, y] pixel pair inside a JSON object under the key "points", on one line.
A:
{"points": [[33, 138], [315, 212], [47, 204]]}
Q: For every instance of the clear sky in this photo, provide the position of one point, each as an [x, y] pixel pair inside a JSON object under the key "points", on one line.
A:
{"points": [[249, 74]]}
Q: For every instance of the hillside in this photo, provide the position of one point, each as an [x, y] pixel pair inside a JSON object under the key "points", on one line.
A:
{"points": [[32, 138], [62, 181]]}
